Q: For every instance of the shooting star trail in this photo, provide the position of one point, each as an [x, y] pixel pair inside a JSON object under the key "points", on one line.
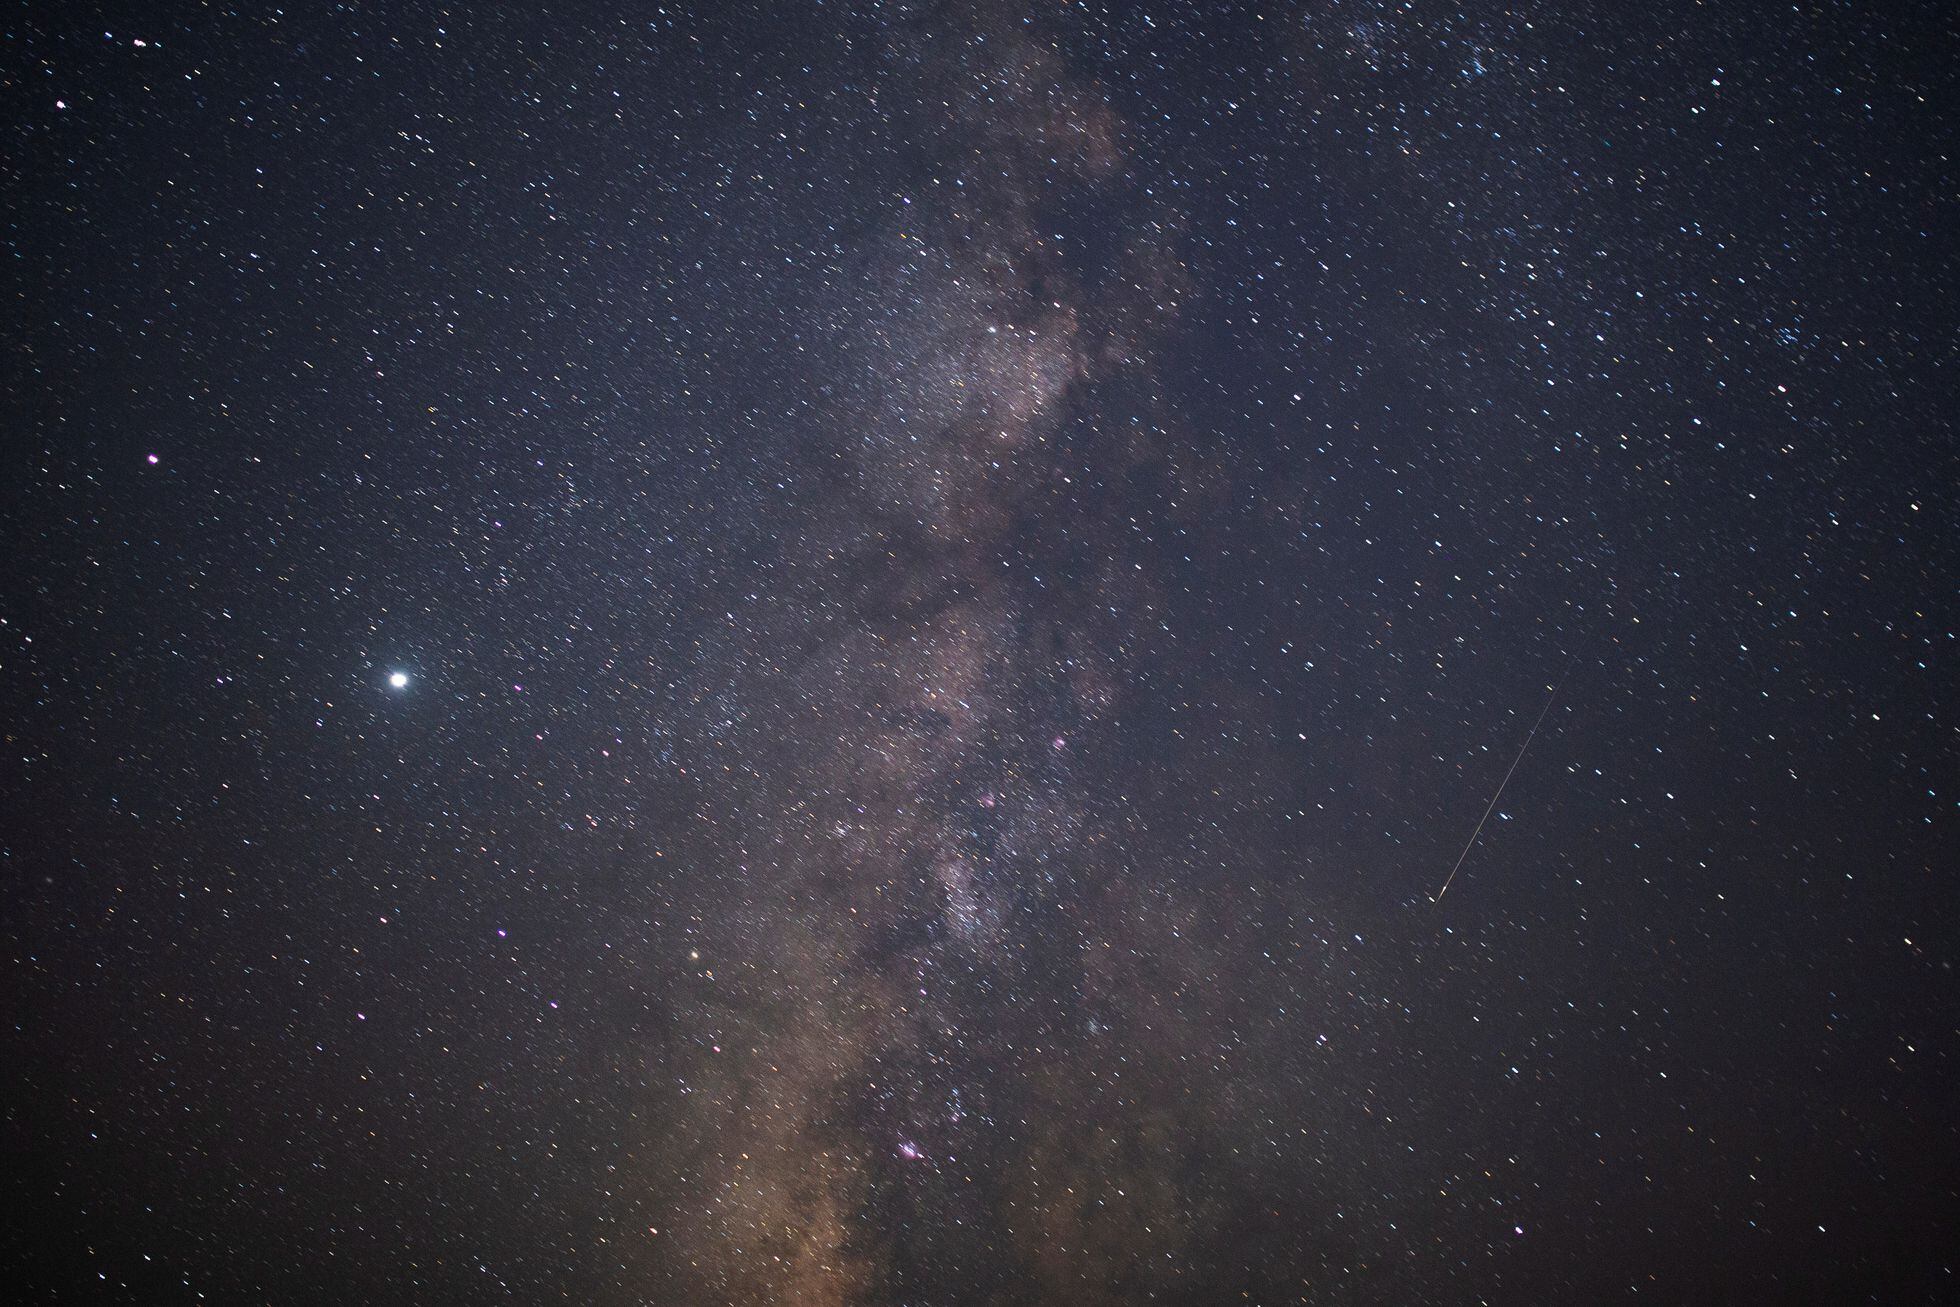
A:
{"points": [[1492, 806]]}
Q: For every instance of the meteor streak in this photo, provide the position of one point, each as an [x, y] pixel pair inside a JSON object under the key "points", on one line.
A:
{"points": [[1491, 807]]}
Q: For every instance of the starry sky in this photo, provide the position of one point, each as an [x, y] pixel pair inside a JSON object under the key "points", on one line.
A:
{"points": [[835, 653]]}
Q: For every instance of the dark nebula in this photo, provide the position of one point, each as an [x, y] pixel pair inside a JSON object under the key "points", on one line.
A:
{"points": [[834, 654]]}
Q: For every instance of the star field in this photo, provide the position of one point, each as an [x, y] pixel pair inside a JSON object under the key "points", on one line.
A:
{"points": [[836, 653]]}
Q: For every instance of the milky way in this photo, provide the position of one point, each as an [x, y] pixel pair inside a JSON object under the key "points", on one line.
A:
{"points": [[937, 655], [834, 654]]}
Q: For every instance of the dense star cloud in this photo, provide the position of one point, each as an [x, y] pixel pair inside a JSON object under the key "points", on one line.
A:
{"points": [[835, 654], [946, 631]]}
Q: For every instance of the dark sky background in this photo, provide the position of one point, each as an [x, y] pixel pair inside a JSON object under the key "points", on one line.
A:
{"points": [[828, 653]]}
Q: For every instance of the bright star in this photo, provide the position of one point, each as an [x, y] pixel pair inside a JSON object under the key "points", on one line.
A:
{"points": [[398, 679]]}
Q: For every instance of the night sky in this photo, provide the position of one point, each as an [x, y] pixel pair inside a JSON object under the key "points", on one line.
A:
{"points": [[835, 653]]}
